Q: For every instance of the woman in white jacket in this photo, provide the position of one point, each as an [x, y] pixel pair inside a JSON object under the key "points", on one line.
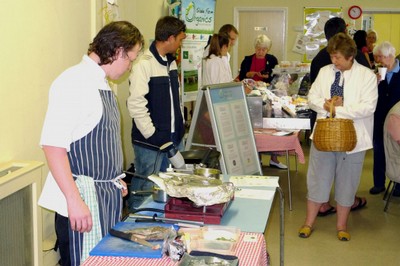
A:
{"points": [[216, 68], [353, 90]]}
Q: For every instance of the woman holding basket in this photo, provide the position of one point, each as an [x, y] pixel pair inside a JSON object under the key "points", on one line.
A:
{"points": [[352, 89]]}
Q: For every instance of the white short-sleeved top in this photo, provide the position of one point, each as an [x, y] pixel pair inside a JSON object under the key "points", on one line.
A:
{"points": [[75, 105], [216, 70], [75, 108]]}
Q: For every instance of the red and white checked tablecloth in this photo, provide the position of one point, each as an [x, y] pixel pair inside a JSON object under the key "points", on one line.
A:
{"points": [[266, 142], [251, 251]]}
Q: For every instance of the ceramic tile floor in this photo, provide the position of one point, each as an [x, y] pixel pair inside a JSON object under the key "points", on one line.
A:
{"points": [[375, 234]]}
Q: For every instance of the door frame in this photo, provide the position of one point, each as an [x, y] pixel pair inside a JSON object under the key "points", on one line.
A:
{"points": [[236, 22]]}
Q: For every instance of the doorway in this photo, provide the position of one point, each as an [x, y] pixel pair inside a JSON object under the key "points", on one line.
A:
{"points": [[386, 23], [252, 21]]}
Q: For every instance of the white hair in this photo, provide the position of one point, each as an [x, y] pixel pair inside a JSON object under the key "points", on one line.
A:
{"points": [[386, 49], [263, 41]]}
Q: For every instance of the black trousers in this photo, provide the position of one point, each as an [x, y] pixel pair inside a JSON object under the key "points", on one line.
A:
{"points": [[62, 232]]}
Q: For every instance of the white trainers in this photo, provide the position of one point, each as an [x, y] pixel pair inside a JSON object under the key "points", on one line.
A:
{"points": [[277, 165]]}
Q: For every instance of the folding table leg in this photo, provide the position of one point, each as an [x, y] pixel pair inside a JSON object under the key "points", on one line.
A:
{"points": [[282, 225], [288, 176]]}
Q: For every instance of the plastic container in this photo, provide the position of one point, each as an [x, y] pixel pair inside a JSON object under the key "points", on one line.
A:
{"points": [[215, 239]]}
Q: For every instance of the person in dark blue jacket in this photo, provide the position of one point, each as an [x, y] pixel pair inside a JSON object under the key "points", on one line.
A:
{"points": [[388, 96], [155, 106]]}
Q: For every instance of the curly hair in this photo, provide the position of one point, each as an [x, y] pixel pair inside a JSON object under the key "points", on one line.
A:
{"points": [[113, 36], [342, 43]]}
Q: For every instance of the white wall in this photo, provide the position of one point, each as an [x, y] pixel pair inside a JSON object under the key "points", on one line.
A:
{"points": [[39, 39]]}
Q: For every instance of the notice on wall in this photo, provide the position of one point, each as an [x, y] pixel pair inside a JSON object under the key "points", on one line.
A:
{"points": [[314, 23]]}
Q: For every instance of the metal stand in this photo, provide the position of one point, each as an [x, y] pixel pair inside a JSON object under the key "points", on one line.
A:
{"points": [[282, 224], [288, 177]]}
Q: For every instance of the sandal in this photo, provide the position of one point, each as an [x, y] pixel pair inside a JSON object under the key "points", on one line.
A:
{"points": [[331, 210], [305, 231], [343, 235], [359, 203]]}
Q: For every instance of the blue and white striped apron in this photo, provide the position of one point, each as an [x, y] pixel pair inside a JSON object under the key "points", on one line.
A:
{"points": [[99, 155]]}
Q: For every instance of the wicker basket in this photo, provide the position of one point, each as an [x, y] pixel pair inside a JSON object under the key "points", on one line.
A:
{"points": [[334, 134]]}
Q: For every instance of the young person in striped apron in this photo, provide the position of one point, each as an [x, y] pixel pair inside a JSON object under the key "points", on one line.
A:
{"points": [[82, 143]]}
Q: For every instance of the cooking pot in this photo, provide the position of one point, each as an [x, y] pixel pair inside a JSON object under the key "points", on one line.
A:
{"points": [[207, 157], [157, 193], [207, 172], [160, 195]]}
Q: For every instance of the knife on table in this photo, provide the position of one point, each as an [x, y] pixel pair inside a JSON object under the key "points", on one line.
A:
{"points": [[133, 238]]}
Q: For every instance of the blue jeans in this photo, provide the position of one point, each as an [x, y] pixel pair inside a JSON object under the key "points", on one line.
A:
{"points": [[147, 162]]}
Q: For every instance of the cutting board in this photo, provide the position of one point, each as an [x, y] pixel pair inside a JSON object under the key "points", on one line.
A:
{"points": [[113, 246]]}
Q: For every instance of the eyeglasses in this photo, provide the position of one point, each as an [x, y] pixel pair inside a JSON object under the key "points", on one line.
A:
{"points": [[126, 56]]}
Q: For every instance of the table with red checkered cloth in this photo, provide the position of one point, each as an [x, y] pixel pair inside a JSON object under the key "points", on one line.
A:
{"points": [[267, 142], [251, 250]]}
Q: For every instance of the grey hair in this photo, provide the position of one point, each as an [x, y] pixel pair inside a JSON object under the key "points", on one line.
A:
{"points": [[263, 41], [386, 49]]}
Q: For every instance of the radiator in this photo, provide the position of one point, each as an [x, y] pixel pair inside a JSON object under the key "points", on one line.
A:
{"points": [[20, 219]]}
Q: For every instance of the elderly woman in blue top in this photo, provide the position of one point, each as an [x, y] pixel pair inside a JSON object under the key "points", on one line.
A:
{"points": [[353, 90], [389, 95]]}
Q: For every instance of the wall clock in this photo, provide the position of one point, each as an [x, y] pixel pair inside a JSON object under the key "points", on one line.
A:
{"points": [[355, 12]]}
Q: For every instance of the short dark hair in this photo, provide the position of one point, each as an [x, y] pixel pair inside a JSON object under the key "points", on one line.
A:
{"points": [[334, 25], [227, 28], [113, 36], [360, 38], [168, 26], [342, 43]]}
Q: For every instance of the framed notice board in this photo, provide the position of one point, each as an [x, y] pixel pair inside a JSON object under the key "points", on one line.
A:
{"points": [[221, 120]]}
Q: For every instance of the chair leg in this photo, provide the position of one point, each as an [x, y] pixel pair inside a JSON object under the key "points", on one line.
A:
{"points": [[387, 190], [389, 195]]}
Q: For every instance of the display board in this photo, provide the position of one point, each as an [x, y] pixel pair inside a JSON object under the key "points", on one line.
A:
{"points": [[221, 120]]}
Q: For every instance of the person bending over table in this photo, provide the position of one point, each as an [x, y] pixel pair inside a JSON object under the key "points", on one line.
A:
{"points": [[258, 67], [81, 139], [352, 88], [215, 69]]}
